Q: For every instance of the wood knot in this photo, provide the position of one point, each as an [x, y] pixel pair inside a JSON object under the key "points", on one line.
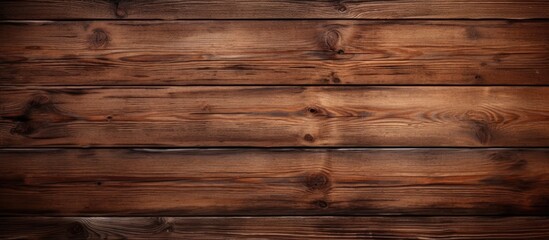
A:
{"points": [[206, 108], [503, 156], [511, 159], [340, 6], [321, 204], [23, 128], [119, 10], [332, 39], [309, 138], [335, 78], [39, 100], [482, 131], [313, 111], [510, 182], [99, 39], [481, 123], [169, 228], [164, 224], [317, 181], [78, 230]]}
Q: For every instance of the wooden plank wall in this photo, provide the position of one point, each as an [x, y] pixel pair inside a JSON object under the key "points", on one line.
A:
{"points": [[274, 119]]}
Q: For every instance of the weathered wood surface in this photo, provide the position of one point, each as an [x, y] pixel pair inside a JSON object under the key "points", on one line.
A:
{"points": [[70, 182], [274, 52], [268, 9], [275, 228], [275, 116]]}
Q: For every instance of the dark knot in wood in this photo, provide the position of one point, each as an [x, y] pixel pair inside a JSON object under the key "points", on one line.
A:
{"points": [[320, 203], [23, 128], [332, 39], [164, 225], [481, 123], [335, 78], [309, 138], [482, 131], [312, 110], [340, 6], [39, 100], [119, 10], [78, 230], [316, 111], [511, 159], [99, 39], [25, 125], [317, 181]]}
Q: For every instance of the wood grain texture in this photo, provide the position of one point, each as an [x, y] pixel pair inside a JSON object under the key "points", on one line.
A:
{"points": [[268, 9], [179, 182], [274, 52], [275, 228], [275, 116]]}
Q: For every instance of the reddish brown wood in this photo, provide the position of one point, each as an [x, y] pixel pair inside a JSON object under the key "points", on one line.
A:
{"points": [[189, 182], [275, 116], [268, 9], [274, 52], [116, 75]]}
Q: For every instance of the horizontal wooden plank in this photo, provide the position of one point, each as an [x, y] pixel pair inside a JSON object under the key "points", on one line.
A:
{"points": [[268, 9], [275, 228], [69, 182], [274, 52], [275, 116]]}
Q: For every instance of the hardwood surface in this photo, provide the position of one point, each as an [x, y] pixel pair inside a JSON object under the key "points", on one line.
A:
{"points": [[274, 52], [274, 119], [276, 228], [261, 9], [275, 116], [274, 182]]}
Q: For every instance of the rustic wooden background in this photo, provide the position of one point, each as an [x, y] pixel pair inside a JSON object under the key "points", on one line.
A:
{"points": [[274, 119]]}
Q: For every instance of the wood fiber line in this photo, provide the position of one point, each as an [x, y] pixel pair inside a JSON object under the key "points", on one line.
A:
{"points": [[268, 9], [274, 52], [275, 116], [187, 182]]}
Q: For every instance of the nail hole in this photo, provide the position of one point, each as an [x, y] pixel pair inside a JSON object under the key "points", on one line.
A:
{"points": [[340, 51]]}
